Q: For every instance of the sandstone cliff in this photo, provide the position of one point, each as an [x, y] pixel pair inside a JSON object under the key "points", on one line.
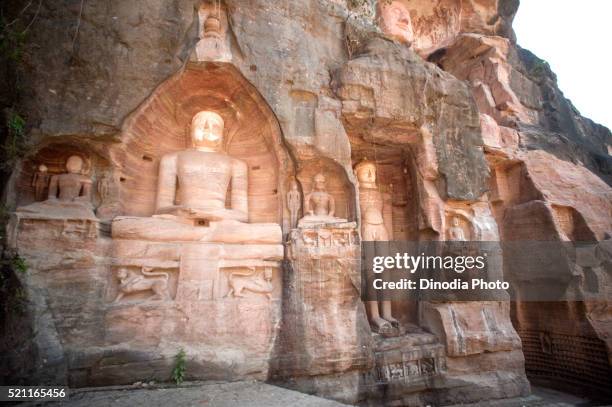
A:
{"points": [[461, 122]]}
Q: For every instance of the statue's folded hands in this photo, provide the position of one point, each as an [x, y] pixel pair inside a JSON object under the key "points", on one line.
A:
{"points": [[203, 213]]}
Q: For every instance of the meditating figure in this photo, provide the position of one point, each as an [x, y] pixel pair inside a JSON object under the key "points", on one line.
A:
{"points": [[319, 205], [197, 210], [204, 174], [455, 233], [69, 195], [73, 185]]}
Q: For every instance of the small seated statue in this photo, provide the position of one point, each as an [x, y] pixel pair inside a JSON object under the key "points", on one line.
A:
{"points": [[69, 194], [71, 186], [455, 233], [197, 210], [320, 206]]}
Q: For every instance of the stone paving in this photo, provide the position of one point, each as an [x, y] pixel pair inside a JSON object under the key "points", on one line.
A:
{"points": [[540, 397], [234, 394], [257, 394]]}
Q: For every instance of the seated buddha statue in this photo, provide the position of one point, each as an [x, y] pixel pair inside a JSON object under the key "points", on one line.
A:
{"points": [[192, 191], [320, 206], [69, 195]]}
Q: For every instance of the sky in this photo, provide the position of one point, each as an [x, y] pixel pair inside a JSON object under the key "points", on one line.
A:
{"points": [[574, 37]]}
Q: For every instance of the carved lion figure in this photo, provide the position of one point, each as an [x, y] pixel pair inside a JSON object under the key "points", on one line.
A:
{"points": [[247, 280], [155, 281]]}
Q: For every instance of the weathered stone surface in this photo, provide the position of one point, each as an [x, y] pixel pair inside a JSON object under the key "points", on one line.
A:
{"points": [[375, 102], [132, 48], [324, 329], [472, 328], [550, 182], [483, 62], [482, 146]]}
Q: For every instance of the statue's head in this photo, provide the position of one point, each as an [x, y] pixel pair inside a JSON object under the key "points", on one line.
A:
{"points": [[42, 168], [122, 273], [207, 131], [366, 172], [455, 221], [394, 20], [294, 185], [319, 182], [74, 164]]}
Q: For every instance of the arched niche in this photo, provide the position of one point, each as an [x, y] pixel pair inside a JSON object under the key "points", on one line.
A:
{"points": [[160, 126], [397, 184], [466, 222], [53, 153]]}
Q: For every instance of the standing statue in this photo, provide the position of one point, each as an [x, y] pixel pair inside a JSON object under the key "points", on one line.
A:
{"points": [[103, 186], [294, 202], [319, 205], [40, 182], [394, 21], [373, 230]]}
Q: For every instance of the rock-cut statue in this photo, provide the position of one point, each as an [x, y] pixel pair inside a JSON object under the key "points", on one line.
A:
{"points": [[192, 201], [205, 173]]}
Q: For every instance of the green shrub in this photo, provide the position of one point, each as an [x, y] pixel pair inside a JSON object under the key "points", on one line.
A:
{"points": [[178, 373]]}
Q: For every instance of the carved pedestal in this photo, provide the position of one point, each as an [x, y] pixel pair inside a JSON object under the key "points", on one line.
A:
{"points": [[325, 330], [219, 302], [38, 229], [63, 283], [406, 365]]}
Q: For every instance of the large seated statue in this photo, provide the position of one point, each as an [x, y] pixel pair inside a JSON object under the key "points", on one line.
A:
{"points": [[192, 193]]}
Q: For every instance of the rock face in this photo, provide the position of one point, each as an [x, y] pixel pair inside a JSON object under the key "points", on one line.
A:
{"points": [[250, 263], [550, 182]]}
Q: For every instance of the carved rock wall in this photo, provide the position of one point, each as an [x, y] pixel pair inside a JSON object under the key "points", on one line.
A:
{"points": [[479, 132], [550, 182]]}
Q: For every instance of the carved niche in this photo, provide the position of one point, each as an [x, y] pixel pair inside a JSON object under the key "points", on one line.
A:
{"points": [[65, 174], [325, 179], [161, 126]]}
